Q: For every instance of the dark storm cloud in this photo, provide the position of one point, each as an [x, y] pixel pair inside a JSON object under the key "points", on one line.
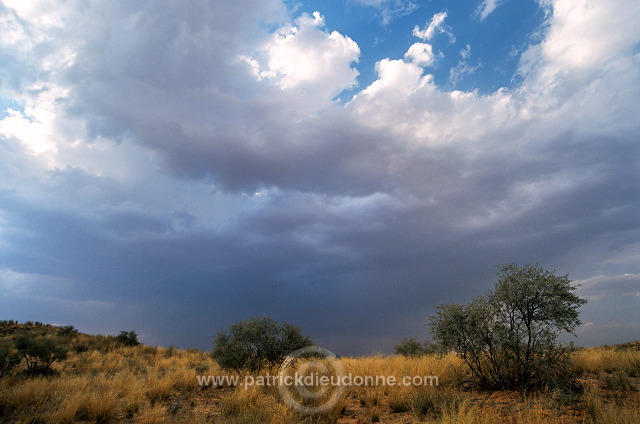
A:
{"points": [[187, 191]]}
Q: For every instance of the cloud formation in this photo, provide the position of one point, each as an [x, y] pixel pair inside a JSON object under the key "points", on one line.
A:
{"points": [[436, 26], [308, 59], [185, 166], [601, 285], [420, 53], [487, 7]]}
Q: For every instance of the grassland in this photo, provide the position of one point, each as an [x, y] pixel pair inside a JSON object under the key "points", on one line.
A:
{"points": [[102, 382]]}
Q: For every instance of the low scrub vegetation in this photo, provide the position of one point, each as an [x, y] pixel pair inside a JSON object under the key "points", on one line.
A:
{"points": [[508, 337], [39, 353], [411, 347], [100, 379], [257, 344]]}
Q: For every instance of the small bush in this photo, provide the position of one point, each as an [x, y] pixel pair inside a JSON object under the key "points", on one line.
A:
{"points": [[128, 338], [202, 368], [425, 405], [159, 389], [250, 406], [257, 344], [619, 382], [370, 398], [435, 403], [39, 354], [633, 369], [409, 347], [81, 348], [67, 330], [170, 352], [102, 407], [399, 405], [8, 360]]}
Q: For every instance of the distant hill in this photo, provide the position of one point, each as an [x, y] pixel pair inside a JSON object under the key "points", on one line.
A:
{"points": [[68, 335]]}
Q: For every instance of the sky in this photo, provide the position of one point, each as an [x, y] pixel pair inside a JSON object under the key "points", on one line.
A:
{"points": [[345, 166]]}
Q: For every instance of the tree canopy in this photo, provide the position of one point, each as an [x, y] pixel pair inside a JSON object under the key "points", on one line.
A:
{"points": [[508, 336], [256, 344]]}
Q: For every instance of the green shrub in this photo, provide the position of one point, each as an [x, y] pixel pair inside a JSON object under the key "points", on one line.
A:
{"points": [[128, 338], [80, 348], [633, 369], [8, 359], [39, 353], [507, 337], [201, 368], [424, 405], [67, 330], [618, 382], [409, 347], [257, 344]]}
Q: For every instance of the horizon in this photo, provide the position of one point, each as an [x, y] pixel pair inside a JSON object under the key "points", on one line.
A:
{"points": [[364, 355]]}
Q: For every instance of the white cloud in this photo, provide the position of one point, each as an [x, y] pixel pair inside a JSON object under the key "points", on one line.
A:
{"points": [[604, 286], [580, 63], [308, 66], [466, 52], [33, 134], [436, 26], [44, 14], [586, 34], [304, 56], [36, 128], [156, 133], [609, 326], [487, 7], [463, 68], [395, 76], [420, 53]]}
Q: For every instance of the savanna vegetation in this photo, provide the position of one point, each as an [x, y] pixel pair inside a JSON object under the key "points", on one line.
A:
{"points": [[257, 344], [508, 336], [58, 375]]}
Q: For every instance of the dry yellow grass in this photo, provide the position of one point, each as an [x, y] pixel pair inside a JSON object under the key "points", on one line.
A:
{"points": [[155, 385], [111, 385], [606, 359]]}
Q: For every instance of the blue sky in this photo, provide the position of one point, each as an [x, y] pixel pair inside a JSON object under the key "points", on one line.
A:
{"points": [[493, 42], [175, 167]]}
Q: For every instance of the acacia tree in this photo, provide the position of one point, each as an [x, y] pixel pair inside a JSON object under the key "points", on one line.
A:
{"points": [[39, 353], [257, 344], [508, 337], [128, 338], [409, 347]]}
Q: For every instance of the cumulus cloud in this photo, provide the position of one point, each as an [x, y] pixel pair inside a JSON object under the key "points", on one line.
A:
{"points": [[306, 57], [192, 157], [420, 53], [580, 36]]}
